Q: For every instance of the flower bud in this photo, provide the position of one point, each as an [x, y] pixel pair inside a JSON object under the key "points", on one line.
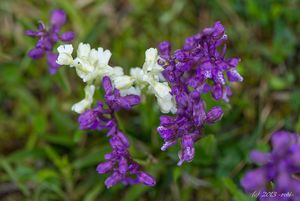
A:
{"points": [[58, 17], [214, 115], [113, 180], [105, 167], [146, 179], [67, 36], [217, 92]]}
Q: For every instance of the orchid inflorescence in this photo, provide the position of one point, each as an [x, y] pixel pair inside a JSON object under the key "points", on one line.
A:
{"points": [[119, 161], [178, 81], [48, 39], [278, 167], [189, 71]]}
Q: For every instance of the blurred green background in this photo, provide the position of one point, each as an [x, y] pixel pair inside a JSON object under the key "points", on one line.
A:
{"points": [[44, 155]]}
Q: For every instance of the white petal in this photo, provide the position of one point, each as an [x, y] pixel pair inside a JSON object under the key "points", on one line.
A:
{"points": [[165, 104], [83, 50], [89, 92], [65, 55], [151, 54], [161, 90], [93, 57], [83, 64], [67, 49], [117, 71], [87, 101], [130, 91], [151, 65], [136, 73], [103, 56], [81, 106], [64, 59], [123, 82]]}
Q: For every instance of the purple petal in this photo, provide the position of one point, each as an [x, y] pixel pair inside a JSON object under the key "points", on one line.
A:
{"points": [[123, 138], [36, 53], [295, 187], [205, 69], [41, 28], [281, 141], [51, 60], [189, 43], [164, 49], [254, 180], [54, 38], [133, 168], [283, 182], [128, 101], [166, 133], [233, 62], [218, 76], [199, 115], [179, 55], [88, 120], [187, 149], [113, 180], [215, 114], [166, 120], [67, 36], [108, 156], [105, 167], [217, 92], [107, 86], [294, 158], [118, 143], [123, 166], [112, 131], [218, 30], [259, 157], [168, 144], [58, 18], [31, 33], [45, 43], [234, 76], [146, 179]]}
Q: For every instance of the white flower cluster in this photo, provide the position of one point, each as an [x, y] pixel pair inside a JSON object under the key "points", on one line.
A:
{"points": [[92, 65]]}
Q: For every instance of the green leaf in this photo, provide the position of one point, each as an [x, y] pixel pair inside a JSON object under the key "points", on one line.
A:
{"points": [[94, 192], [91, 159], [61, 139], [13, 175], [135, 192], [206, 148], [45, 174], [176, 173], [24, 154], [237, 194]]}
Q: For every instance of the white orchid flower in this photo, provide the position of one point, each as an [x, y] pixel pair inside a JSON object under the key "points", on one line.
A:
{"points": [[87, 101], [65, 55]]}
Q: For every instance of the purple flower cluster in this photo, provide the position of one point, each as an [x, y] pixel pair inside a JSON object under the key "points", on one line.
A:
{"points": [[197, 68], [48, 38], [119, 162], [280, 167]]}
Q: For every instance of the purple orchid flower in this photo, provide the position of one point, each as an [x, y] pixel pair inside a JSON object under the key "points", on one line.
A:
{"points": [[119, 163], [195, 69], [47, 38], [280, 166]]}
